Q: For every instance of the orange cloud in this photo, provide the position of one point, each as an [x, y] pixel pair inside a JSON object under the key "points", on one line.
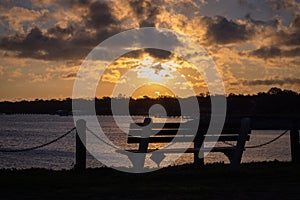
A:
{"points": [[35, 78], [1, 70], [16, 16], [17, 73], [111, 76]]}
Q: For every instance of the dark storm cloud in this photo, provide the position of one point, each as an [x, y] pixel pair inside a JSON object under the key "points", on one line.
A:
{"points": [[157, 53], [40, 46], [280, 82], [296, 23], [58, 31], [52, 45], [146, 11], [222, 31], [266, 52], [273, 52], [273, 23], [285, 43], [100, 15], [292, 37], [289, 36]]}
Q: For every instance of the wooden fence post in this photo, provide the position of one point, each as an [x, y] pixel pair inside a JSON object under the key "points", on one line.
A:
{"points": [[295, 146], [80, 160], [198, 154], [240, 146]]}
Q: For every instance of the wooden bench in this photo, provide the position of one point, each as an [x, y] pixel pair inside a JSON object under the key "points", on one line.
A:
{"points": [[148, 133]]}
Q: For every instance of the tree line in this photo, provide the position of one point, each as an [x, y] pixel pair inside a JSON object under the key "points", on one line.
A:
{"points": [[274, 102]]}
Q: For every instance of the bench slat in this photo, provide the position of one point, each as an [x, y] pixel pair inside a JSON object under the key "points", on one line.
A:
{"points": [[166, 139], [161, 125], [189, 150], [202, 125], [169, 131]]}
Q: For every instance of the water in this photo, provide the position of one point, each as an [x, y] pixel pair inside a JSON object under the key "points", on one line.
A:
{"points": [[21, 131]]}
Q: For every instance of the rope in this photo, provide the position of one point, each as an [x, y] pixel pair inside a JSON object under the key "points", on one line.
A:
{"points": [[259, 145], [68, 132], [39, 146], [99, 138]]}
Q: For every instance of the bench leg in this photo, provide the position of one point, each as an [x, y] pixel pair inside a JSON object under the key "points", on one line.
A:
{"points": [[198, 155], [240, 146], [228, 154], [138, 162]]}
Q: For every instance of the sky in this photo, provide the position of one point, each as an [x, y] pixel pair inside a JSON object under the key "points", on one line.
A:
{"points": [[255, 45]]}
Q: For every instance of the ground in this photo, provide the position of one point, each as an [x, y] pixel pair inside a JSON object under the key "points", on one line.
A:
{"points": [[268, 180]]}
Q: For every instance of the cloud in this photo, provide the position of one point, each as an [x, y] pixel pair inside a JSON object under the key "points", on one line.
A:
{"points": [[69, 76], [273, 52], [39, 45], [1, 70], [157, 67], [146, 11], [292, 81], [155, 71], [273, 22], [292, 36], [111, 76], [285, 35], [65, 40], [99, 16], [36, 78], [222, 31], [17, 73], [283, 4], [279, 42], [68, 39], [158, 53], [59, 31], [17, 16]]}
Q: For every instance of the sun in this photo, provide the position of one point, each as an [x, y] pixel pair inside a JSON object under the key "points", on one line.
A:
{"points": [[152, 91]]}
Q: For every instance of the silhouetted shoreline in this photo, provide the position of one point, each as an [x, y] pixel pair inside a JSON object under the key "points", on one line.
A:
{"points": [[275, 102]]}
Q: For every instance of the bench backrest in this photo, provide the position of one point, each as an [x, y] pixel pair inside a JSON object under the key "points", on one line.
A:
{"points": [[165, 132]]}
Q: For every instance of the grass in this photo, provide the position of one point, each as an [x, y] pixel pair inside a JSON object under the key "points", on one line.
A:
{"points": [[266, 180]]}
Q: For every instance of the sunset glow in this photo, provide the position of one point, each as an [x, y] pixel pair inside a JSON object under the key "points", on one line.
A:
{"points": [[153, 91], [254, 44]]}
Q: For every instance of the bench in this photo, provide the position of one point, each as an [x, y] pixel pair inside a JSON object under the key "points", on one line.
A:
{"points": [[147, 133]]}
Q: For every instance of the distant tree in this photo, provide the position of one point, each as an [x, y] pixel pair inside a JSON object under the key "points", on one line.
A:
{"points": [[274, 91]]}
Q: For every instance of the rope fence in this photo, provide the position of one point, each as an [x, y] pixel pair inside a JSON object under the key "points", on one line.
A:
{"points": [[99, 138], [260, 145], [39, 146]]}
